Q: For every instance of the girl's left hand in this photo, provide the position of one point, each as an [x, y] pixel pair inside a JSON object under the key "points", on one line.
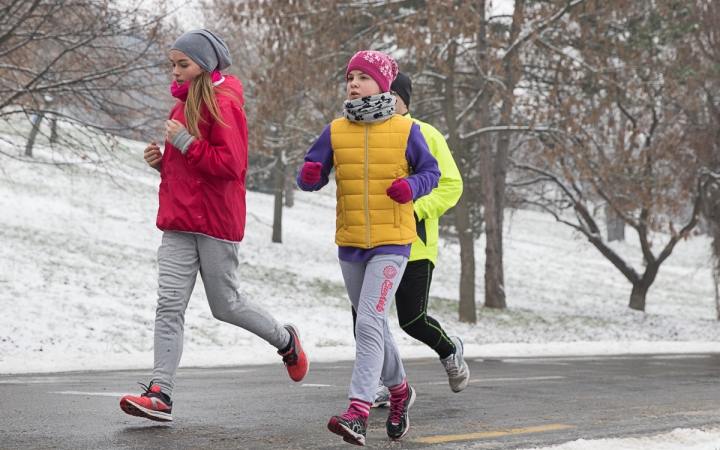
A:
{"points": [[172, 127]]}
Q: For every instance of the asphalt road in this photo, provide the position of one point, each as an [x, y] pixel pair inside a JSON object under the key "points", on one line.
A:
{"points": [[509, 404]]}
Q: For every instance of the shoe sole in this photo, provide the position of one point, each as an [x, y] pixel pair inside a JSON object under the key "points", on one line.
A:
{"points": [[347, 434], [382, 404], [134, 409], [412, 400], [302, 349]]}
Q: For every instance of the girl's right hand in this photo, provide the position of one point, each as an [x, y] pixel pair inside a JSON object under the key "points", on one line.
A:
{"points": [[153, 155]]}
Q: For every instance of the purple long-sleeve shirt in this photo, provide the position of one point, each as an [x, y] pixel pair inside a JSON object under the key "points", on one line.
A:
{"points": [[424, 178]]}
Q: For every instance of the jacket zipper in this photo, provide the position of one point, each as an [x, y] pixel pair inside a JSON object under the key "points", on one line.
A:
{"points": [[367, 186]]}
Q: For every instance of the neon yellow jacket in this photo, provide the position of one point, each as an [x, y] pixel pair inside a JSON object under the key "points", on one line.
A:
{"points": [[429, 208]]}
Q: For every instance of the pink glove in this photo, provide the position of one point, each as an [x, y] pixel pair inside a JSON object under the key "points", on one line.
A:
{"points": [[400, 191], [310, 173]]}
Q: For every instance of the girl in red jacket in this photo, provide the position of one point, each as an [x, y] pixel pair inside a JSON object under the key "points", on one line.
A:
{"points": [[202, 215]]}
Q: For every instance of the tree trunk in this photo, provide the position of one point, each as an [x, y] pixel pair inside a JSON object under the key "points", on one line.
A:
{"points": [[637, 296], [494, 205], [494, 182], [494, 283], [703, 225], [714, 232], [711, 214], [33, 135], [279, 173], [642, 285], [615, 225], [716, 280], [290, 183], [53, 130], [466, 309]]}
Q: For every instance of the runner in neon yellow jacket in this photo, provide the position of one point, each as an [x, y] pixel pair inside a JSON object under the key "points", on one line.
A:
{"points": [[411, 297], [429, 208]]}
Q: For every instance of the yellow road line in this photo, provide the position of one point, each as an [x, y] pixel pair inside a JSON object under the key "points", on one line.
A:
{"points": [[490, 434]]}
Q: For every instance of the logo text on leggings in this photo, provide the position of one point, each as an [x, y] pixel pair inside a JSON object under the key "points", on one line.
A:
{"points": [[386, 286]]}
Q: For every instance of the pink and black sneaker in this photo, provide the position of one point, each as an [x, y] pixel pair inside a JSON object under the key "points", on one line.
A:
{"points": [[398, 422], [352, 426], [152, 404], [295, 360]]}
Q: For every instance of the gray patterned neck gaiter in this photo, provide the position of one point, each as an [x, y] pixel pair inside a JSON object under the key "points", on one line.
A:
{"points": [[374, 108]]}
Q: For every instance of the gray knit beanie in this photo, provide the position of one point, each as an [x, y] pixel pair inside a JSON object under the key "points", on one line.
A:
{"points": [[206, 48]]}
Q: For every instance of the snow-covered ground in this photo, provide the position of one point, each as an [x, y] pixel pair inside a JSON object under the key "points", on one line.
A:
{"points": [[78, 281], [685, 439]]}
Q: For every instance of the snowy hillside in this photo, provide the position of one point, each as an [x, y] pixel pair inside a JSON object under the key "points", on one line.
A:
{"points": [[78, 281]]}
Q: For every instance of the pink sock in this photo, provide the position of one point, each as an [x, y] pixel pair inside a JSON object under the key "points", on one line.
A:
{"points": [[359, 407], [399, 391]]}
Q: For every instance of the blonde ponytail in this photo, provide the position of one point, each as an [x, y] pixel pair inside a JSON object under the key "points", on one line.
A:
{"points": [[201, 92]]}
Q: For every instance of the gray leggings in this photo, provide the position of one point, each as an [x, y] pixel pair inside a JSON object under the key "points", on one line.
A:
{"points": [[371, 286], [180, 256]]}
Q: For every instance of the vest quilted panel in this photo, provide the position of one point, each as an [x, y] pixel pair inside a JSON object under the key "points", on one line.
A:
{"points": [[368, 158]]}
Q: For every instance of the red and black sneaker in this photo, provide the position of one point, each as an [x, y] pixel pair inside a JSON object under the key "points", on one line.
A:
{"points": [[152, 404], [295, 360]]}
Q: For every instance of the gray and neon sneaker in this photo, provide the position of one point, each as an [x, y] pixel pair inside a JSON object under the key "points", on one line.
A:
{"points": [[382, 397], [457, 369]]}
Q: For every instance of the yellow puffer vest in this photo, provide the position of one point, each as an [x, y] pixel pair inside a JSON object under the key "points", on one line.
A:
{"points": [[368, 158]]}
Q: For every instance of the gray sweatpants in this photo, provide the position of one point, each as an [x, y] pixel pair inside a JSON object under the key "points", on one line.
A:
{"points": [[371, 286], [180, 256]]}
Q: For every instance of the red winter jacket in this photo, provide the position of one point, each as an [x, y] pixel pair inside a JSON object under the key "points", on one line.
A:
{"points": [[203, 191]]}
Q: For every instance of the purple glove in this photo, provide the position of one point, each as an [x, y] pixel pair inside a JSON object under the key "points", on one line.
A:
{"points": [[310, 173], [400, 191]]}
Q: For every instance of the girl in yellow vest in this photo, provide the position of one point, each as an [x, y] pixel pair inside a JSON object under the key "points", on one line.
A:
{"points": [[382, 163]]}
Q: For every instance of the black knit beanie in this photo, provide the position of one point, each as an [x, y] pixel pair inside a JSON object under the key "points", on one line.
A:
{"points": [[403, 87]]}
